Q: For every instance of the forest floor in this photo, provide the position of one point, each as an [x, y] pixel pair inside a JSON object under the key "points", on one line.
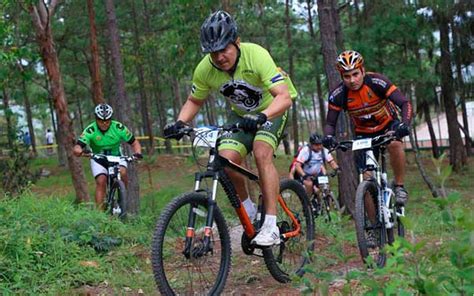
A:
{"points": [[168, 175]]}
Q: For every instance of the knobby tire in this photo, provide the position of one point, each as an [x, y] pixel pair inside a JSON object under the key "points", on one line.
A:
{"points": [[362, 222], [298, 250], [174, 273]]}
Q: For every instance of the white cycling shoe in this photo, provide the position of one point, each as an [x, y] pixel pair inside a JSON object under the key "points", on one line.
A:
{"points": [[268, 236]]}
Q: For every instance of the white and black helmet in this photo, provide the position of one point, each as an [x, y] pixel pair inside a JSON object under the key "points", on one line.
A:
{"points": [[103, 111], [217, 31]]}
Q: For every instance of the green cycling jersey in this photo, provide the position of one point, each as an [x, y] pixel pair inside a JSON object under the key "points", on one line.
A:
{"points": [[248, 88], [107, 142]]}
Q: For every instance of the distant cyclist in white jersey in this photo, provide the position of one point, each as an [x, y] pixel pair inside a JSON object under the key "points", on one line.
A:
{"points": [[310, 162]]}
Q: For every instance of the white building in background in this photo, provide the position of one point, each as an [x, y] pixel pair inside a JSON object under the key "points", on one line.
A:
{"points": [[440, 126]]}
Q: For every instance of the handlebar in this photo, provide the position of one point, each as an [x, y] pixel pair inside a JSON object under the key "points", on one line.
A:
{"points": [[110, 158], [187, 131], [377, 141]]}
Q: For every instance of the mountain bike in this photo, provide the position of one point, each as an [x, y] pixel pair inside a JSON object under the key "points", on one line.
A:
{"points": [[116, 193], [374, 197], [191, 248], [326, 205]]}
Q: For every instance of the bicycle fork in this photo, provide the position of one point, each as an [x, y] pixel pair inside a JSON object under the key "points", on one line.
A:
{"points": [[205, 245]]}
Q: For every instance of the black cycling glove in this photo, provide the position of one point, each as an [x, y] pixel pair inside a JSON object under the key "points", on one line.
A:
{"points": [[329, 142], [171, 130], [138, 155], [402, 130], [251, 122]]}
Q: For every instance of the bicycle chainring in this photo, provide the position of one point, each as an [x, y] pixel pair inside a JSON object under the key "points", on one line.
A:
{"points": [[247, 247]]}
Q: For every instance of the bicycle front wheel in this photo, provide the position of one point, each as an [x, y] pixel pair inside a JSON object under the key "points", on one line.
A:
{"points": [[117, 201], [370, 228], [293, 253], [398, 225], [180, 266], [331, 206]]}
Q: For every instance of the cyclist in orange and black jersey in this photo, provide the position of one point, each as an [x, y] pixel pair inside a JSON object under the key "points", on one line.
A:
{"points": [[370, 100], [371, 107]]}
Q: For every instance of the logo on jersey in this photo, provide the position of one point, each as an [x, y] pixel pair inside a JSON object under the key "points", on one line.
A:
{"points": [[334, 94], [243, 95], [193, 88], [267, 125], [380, 82], [277, 78]]}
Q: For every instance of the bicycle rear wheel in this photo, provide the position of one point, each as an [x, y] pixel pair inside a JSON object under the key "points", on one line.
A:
{"points": [[117, 201], [292, 254], [179, 271], [371, 233]]}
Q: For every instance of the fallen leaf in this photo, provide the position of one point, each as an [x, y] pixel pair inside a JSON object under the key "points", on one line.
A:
{"points": [[89, 263]]}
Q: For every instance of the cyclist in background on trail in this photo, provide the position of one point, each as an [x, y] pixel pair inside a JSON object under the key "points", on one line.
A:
{"points": [[104, 136], [310, 163], [260, 95], [371, 101]]}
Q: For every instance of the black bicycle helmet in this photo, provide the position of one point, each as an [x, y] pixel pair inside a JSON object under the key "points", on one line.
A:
{"points": [[103, 111], [315, 139], [217, 31]]}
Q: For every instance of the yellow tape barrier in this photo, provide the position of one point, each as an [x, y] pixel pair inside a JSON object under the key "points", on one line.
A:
{"points": [[173, 146]]}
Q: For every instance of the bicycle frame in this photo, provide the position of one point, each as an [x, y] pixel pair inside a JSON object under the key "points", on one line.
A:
{"points": [[385, 193], [112, 164], [215, 171]]}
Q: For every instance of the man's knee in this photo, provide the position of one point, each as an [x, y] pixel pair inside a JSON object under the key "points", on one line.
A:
{"points": [[101, 180], [395, 147], [262, 152]]}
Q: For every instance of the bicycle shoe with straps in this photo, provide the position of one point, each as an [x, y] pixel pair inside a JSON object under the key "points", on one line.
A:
{"points": [[401, 195], [268, 236]]}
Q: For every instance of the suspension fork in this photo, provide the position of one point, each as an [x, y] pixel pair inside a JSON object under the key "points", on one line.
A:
{"points": [[190, 231]]}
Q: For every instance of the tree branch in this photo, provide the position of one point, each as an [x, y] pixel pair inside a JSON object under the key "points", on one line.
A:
{"points": [[36, 18], [52, 6]]}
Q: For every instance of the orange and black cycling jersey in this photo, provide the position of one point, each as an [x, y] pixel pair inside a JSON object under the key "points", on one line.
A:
{"points": [[371, 108]]}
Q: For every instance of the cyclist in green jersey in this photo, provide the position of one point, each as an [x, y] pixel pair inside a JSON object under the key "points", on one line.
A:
{"points": [[260, 95], [104, 136]]}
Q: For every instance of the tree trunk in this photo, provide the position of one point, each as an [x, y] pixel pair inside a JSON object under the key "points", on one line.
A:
{"points": [[434, 142], [144, 101], [460, 87], [11, 135], [160, 103], [290, 62], [337, 26], [348, 176], [79, 114], [29, 117], [41, 16], [122, 104], [322, 106], [457, 155], [60, 150], [97, 93], [322, 109]]}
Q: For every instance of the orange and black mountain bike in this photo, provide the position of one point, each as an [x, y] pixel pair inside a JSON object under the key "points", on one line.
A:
{"points": [[191, 251]]}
